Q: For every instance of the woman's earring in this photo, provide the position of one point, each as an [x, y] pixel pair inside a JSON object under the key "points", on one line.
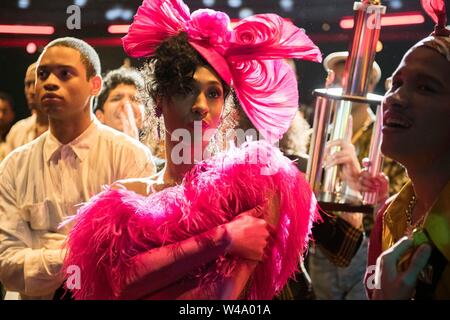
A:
{"points": [[158, 111]]}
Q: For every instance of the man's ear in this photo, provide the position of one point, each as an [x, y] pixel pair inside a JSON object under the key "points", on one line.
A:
{"points": [[100, 115], [96, 85]]}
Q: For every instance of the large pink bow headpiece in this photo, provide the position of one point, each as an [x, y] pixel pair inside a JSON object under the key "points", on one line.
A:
{"points": [[249, 56]]}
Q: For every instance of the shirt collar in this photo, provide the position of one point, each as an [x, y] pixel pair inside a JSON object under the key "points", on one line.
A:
{"points": [[437, 223], [395, 217], [80, 145]]}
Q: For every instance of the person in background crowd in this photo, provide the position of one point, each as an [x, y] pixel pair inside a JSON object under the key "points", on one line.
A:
{"points": [[6, 115], [43, 181], [28, 129], [118, 105], [409, 251]]}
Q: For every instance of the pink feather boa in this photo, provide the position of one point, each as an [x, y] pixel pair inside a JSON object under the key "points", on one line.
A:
{"points": [[116, 225]]}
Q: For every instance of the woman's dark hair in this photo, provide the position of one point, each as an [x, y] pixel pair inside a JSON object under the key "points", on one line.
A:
{"points": [[171, 68], [170, 71]]}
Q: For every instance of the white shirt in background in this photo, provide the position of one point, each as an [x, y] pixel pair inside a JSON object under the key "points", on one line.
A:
{"points": [[22, 132], [41, 184]]}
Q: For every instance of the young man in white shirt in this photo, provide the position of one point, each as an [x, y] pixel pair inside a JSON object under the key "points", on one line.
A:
{"points": [[28, 129], [43, 181]]}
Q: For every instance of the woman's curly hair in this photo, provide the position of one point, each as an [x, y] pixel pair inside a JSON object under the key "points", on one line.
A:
{"points": [[170, 71], [171, 68]]}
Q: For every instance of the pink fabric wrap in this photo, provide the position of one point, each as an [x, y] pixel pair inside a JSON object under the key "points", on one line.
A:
{"points": [[116, 225], [253, 49], [437, 12], [439, 39]]}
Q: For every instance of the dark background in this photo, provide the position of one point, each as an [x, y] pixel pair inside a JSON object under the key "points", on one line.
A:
{"points": [[308, 14]]}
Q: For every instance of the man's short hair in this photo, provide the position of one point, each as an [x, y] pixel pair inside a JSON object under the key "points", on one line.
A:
{"points": [[113, 79], [89, 56], [6, 97]]}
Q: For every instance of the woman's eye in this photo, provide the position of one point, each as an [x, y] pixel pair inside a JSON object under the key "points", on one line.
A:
{"points": [[214, 94]]}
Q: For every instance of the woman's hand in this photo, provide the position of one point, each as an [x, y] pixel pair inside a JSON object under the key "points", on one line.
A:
{"points": [[392, 284], [247, 236]]}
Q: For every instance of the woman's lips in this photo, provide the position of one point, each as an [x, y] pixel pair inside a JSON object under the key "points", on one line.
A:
{"points": [[201, 124]]}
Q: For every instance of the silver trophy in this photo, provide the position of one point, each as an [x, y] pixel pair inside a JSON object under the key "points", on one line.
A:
{"points": [[333, 109]]}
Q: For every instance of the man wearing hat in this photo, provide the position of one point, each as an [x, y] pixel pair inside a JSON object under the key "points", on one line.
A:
{"points": [[362, 115]]}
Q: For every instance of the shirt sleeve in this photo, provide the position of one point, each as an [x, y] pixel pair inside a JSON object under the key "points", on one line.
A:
{"points": [[136, 163], [12, 136], [4, 150], [338, 239], [33, 272]]}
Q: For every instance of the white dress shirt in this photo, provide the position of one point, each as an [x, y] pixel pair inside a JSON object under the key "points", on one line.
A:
{"points": [[22, 132], [41, 184]]}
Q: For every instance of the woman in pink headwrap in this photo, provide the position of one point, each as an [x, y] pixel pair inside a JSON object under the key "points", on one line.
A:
{"points": [[201, 231]]}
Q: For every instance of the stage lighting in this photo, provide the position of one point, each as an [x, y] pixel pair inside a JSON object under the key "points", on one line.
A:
{"points": [[127, 14], [80, 3], [209, 3], [235, 3], [395, 4], [31, 48], [113, 13], [287, 5], [23, 4], [245, 12], [397, 19]]}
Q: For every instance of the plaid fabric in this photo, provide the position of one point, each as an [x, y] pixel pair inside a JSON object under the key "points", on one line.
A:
{"points": [[299, 288], [338, 239]]}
